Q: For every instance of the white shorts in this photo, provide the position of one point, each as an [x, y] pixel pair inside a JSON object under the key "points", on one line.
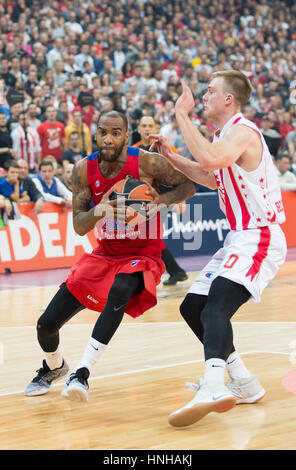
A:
{"points": [[249, 257]]}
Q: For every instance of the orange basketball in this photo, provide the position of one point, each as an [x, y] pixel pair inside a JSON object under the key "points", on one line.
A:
{"points": [[134, 191]]}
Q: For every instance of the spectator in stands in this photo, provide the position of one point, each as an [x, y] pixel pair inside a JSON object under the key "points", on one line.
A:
{"points": [[52, 135], [58, 171], [55, 53], [290, 143], [77, 125], [26, 142], [170, 130], [272, 137], [33, 114], [84, 56], [118, 56], [10, 187], [74, 153], [89, 74], [59, 74], [6, 147], [27, 184], [286, 178], [13, 121], [5, 74], [32, 80], [67, 176], [51, 188]]}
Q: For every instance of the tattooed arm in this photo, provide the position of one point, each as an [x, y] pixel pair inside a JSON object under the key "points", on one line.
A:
{"points": [[159, 169], [84, 219]]}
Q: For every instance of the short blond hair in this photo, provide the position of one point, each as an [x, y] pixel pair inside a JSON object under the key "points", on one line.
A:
{"points": [[236, 83]]}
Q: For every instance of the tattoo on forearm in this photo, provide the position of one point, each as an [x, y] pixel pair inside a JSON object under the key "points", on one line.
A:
{"points": [[76, 178], [164, 172], [179, 193]]}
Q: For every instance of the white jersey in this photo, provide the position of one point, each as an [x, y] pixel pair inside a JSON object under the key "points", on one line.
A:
{"points": [[26, 146], [249, 199]]}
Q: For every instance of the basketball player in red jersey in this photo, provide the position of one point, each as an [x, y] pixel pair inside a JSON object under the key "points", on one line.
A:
{"points": [[122, 272], [239, 164]]}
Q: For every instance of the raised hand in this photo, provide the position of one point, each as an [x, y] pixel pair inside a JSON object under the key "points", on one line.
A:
{"points": [[185, 103], [162, 144]]}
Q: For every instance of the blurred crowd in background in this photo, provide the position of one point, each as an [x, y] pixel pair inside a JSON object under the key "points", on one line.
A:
{"points": [[64, 62]]}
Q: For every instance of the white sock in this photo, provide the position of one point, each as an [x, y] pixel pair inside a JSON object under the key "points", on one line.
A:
{"points": [[91, 354], [236, 368], [214, 370], [54, 359]]}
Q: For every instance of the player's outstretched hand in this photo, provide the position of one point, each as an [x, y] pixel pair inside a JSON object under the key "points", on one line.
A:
{"points": [[162, 144], [185, 102]]}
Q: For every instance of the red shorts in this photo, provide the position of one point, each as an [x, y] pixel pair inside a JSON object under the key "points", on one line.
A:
{"points": [[92, 276]]}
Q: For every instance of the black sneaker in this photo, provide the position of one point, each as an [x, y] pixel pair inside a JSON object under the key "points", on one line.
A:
{"points": [[76, 387], [172, 280], [41, 384]]}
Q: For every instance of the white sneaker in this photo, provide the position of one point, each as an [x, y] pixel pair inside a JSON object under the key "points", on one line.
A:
{"points": [[76, 387], [41, 384], [248, 390], [209, 397]]}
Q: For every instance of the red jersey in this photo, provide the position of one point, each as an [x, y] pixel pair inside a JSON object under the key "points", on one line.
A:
{"points": [[113, 239], [51, 136]]}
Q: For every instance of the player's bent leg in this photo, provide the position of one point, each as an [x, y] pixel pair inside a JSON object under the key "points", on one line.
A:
{"points": [[62, 307], [191, 309], [224, 298], [244, 386], [124, 287]]}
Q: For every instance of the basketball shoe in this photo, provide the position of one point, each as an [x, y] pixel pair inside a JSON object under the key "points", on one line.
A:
{"points": [[41, 384], [209, 397], [246, 390], [76, 387]]}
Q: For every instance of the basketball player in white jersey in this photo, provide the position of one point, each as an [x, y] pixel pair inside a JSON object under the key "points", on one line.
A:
{"points": [[239, 164]]}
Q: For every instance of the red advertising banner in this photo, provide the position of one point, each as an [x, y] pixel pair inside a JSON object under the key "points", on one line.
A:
{"points": [[289, 227], [43, 241], [48, 240]]}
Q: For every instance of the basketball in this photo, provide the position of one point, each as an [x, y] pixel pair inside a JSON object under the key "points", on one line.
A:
{"points": [[134, 191]]}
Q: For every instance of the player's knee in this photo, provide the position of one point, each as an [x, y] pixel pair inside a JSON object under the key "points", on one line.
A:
{"points": [[118, 291], [46, 327], [210, 315], [124, 287], [192, 305]]}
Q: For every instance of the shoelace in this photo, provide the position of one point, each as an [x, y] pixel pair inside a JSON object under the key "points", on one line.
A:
{"points": [[40, 374], [193, 386], [78, 377]]}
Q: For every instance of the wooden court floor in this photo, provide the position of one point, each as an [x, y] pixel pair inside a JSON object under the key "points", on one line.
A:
{"points": [[141, 377]]}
